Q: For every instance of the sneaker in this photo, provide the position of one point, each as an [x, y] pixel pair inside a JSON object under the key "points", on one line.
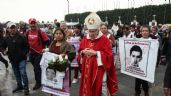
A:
{"points": [[17, 89], [74, 80], [37, 86], [26, 91]]}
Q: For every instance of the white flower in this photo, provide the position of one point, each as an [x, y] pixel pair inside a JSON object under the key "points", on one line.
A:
{"points": [[66, 57], [54, 59], [47, 50], [60, 58]]}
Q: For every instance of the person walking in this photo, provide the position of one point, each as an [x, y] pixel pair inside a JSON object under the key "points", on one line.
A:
{"points": [[37, 40], [96, 60], [17, 53]]}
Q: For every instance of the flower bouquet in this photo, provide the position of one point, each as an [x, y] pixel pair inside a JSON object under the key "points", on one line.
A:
{"points": [[60, 64]]}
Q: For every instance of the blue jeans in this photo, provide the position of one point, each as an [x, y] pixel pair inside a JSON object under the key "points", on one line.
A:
{"points": [[20, 73]]}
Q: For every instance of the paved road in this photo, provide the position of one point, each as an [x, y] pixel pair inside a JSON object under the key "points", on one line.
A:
{"points": [[8, 82], [126, 83]]}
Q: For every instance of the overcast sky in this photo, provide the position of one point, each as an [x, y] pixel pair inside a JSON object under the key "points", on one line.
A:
{"points": [[48, 10]]}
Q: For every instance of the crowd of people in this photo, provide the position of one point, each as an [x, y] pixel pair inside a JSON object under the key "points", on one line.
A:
{"points": [[95, 52]]}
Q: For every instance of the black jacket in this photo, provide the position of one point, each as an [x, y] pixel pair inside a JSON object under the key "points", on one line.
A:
{"points": [[2, 40], [17, 47]]}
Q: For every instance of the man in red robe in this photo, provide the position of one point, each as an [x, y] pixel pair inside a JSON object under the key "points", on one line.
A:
{"points": [[96, 61]]}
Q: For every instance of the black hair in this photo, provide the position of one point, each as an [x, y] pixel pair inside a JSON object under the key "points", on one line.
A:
{"points": [[78, 26], [125, 27], [1, 27], [154, 28], [57, 24], [136, 48], [145, 26], [105, 24], [61, 30], [1, 30], [133, 26], [51, 68]]}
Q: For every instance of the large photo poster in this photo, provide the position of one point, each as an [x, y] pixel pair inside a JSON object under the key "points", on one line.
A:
{"points": [[75, 41], [53, 81], [138, 57]]}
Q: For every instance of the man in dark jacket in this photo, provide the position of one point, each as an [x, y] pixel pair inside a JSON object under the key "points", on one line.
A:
{"points": [[17, 51]]}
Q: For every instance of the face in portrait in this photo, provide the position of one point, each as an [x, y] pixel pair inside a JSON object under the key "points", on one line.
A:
{"points": [[135, 55], [50, 74]]}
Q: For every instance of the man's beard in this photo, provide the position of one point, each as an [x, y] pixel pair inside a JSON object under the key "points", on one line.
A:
{"points": [[13, 33], [33, 27]]}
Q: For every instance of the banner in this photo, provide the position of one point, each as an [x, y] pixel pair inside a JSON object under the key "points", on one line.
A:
{"points": [[75, 41], [138, 57], [53, 81]]}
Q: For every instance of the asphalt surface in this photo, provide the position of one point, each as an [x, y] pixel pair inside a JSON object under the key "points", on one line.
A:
{"points": [[126, 83]]}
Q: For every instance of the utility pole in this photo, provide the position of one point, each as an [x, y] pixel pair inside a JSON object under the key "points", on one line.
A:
{"points": [[68, 6]]}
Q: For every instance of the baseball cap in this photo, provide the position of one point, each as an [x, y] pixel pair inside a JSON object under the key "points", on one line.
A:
{"points": [[32, 20], [10, 24]]}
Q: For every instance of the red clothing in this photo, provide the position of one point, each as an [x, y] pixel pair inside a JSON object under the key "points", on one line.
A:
{"points": [[55, 49], [35, 41], [92, 74]]}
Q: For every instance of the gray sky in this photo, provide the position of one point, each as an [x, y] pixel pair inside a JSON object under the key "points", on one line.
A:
{"points": [[48, 10]]}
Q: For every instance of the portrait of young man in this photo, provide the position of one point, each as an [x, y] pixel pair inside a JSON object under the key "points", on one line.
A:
{"points": [[134, 61], [50, 74]]}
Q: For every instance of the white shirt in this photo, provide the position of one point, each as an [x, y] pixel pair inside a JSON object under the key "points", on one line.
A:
{"points": [[131, 35]]}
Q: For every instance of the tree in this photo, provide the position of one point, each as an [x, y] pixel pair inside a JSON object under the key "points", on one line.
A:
{"points": [[144, 14]]}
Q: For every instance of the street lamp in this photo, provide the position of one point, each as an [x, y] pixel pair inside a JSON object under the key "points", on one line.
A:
{"points": [[68, 6]]}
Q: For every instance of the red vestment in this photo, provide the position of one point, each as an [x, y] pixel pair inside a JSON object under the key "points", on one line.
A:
{"points": [[91, 73]]}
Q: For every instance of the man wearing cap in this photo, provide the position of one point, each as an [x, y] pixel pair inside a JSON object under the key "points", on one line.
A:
{"points": [[95, 57], [37, 41], [17, 52]]}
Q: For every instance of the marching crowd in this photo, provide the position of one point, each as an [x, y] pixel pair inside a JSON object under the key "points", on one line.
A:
{"points": [[95, 55]]}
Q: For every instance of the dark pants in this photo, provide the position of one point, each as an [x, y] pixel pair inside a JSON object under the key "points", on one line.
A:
{"points": [[3, 60], [35, 60], [158, 58], [138, 83], [20, 73], [76, 71]]}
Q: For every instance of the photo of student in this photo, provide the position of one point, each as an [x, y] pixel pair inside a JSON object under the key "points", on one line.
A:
{"points": [[50, 74], [135, 59], [135, 55]]}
